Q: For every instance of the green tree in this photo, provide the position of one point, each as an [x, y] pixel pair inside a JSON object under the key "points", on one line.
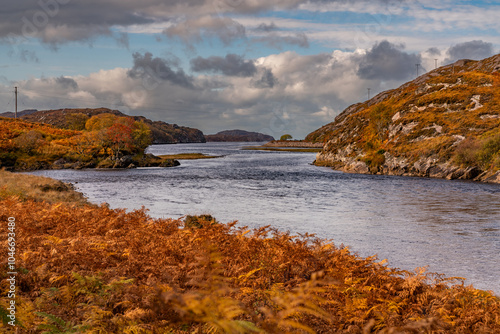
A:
{"points": [[286, 137]]}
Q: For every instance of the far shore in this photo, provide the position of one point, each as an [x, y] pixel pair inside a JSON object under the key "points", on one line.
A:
{"points": [[189, 156], [281, 149]]}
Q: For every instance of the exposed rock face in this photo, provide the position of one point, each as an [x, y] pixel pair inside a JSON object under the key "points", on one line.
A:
{"points": [[444, 124], [163, 133], [238, 136]]}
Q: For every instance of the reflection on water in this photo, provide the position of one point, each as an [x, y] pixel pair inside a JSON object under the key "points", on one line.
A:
{"points": [[454, 227]]}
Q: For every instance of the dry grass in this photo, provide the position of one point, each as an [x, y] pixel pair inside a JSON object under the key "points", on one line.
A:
{"points": [[39, 188], [97, 270]]}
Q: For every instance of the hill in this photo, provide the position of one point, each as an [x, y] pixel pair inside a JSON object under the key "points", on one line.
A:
{"points": [[163, 133], [443, 124], [238, 135], [11, 114], [107, 141]]}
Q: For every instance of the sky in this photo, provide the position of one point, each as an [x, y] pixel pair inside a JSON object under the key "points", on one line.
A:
{"points": [[271, 66]]}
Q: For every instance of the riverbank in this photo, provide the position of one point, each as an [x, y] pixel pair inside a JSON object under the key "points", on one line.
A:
{"points": [[108, 269], [280, 149], [188, 156], [293, 143]]}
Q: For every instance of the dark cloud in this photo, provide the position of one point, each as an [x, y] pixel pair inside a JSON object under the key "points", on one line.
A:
{"points": [[278, 40], [434, 51], [193, 30], [231, 65], [156, 70], [475, 50], [67, 82], [267, 80], [267, 27], [387, 61], [61, 21]]}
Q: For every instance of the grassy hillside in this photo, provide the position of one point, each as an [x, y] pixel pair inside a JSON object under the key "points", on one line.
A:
{"points": [[444, 124], [162, 133], [90, 269], [106, 141]]}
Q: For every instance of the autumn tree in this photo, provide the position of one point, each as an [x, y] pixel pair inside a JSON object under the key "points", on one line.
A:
{"points": [[120, 136], [76, 121], [29, 141]]}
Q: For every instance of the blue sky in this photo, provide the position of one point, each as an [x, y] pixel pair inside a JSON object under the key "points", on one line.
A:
{"points": [[273, 66]]}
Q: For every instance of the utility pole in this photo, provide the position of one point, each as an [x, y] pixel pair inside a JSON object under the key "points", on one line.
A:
{"points": [[417, 68], [369, 93], [15, 91]]}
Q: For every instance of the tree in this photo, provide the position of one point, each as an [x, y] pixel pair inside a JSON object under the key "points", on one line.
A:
{"points": [[142, 135], [76, 121], [29, 141], [120, 136], [286, 137], [100, 122]]}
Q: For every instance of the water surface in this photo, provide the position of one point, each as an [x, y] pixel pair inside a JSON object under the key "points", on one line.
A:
{"points": [[451, 226]]}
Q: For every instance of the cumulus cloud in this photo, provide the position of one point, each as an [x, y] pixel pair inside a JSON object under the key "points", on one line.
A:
{"points": [[231, 65], [193, 30], [157, 69], [267, 80], [280, 93], [277, 40], [433, 51], [387, 61], [67, 82], [475, 50]]}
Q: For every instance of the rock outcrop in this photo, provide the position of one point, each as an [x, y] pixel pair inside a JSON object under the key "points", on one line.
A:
{"points": [[444, 124]]}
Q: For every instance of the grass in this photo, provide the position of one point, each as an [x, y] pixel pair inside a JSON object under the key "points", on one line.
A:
{"points": [[263, 148], [92, 269], [188, 156], [38, 188]]}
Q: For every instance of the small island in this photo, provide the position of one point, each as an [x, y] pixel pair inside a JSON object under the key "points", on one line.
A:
{"points": [[238, 136]]}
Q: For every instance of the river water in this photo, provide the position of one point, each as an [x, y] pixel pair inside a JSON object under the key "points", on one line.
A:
{"points": [[453, 227]]}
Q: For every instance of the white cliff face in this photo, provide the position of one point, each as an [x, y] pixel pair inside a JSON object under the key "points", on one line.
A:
{"points": [[417, 129]]}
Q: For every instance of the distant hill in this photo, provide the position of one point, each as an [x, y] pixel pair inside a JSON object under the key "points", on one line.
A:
{"points": [[11, 114], [443, 124], [238, 135], [74, 119]]}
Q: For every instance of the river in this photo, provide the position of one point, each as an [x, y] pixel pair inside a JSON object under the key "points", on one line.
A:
{"points": [[453, 227]]}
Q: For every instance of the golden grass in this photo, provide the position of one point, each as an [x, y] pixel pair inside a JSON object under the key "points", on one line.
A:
{"points": [[97, 270], [39, 188]]}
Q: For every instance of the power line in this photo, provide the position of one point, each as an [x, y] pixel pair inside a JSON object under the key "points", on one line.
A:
{"points": [[15, 115]]}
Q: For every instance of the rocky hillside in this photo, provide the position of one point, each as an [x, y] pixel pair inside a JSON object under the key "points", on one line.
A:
{"points": [[163, 133], [238, 135], [443, 124]]}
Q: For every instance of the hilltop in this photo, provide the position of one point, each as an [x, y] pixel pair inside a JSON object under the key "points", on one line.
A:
{"points": [[238, 135], [74, 119], [443, 124]]}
